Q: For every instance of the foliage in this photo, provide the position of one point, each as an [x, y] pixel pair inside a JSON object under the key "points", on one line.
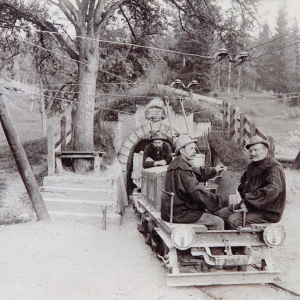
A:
{"points": [[279, 70], [36, 151], [202, 28], [228, 151]]}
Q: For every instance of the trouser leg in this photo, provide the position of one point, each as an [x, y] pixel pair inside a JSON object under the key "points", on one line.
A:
{"points": [[215, 222], [236, 219]]}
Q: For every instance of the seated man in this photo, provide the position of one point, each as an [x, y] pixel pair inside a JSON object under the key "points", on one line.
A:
{"points": [[191, 200], [262, 189], [158, 153]]}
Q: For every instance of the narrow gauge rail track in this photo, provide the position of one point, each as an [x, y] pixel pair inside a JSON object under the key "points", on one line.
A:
{"points": [[206, 291]]}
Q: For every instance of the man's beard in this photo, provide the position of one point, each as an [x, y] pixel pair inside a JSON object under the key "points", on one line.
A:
{"points": [[158, 148]]}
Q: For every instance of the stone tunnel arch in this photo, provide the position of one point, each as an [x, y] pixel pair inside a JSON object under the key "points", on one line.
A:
{"points": [[136, 142]]}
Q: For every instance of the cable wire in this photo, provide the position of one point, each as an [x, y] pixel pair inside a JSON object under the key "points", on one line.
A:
{"points": [[72, 59], [135, 45]]}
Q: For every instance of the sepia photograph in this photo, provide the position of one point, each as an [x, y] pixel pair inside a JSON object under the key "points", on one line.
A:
{"points": [[149, 149]]}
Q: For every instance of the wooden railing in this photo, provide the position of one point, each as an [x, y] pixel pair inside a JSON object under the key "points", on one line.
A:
{"points": [[241, 128], [288, 99], [58, 137]]}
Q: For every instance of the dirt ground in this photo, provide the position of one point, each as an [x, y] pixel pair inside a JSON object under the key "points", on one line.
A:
{"points": [[75, 260]]}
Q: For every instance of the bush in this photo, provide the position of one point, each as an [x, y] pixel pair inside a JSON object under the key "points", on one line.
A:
{"points": [[228, 151]]}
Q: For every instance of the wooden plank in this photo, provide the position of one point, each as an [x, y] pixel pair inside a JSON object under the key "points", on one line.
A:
{"points": [[259, 133], [231, 122], [73, 114], [22, 162], [247, 133], [272, 145], [63, 133], [247, 121], [225, 114], [95, 153], [252, 129], [242, 130], [59, 166], [56, 137], [77, 156], [50, 150]]}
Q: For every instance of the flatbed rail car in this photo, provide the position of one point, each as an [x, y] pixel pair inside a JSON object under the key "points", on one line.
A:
{"points": [[197, 256]]}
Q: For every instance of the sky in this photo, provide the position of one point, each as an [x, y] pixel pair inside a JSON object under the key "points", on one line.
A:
{"points": [[268, 10]]}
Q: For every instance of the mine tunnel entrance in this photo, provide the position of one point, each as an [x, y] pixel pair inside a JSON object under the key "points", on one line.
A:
{"points": [[137, 148]]}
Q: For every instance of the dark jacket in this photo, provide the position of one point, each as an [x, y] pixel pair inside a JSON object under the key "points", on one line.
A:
{"points": [[165, 153], [263, 188], [191, 199]]}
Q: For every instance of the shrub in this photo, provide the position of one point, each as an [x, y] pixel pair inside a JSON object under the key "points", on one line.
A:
{"points": [[228, 151]]}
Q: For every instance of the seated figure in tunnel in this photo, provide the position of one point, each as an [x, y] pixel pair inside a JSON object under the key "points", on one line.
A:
{"points": [[191, 200], [262, 189], [158, 153]]}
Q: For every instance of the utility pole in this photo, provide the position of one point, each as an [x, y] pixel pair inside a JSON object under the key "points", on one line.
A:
{"points": [[22, 162]]}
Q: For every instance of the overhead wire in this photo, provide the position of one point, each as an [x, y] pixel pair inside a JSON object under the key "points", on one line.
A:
{"points": [[131, 44], [65, 56]]}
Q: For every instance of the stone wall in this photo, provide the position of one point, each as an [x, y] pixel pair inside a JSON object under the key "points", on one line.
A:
{"points": [[130, 129]]}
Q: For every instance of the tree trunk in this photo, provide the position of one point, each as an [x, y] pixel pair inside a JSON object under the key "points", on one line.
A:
{"points": [[84, 117]]}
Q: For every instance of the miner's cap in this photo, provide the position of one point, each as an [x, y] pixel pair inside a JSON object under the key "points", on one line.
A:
{"points": [[158, 136], [257, 140], [182, 141]]}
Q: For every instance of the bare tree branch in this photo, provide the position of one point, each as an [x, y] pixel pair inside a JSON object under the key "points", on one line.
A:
{"points": [[90, 15], [98, 11], [110, 10], [128, 23], [44, 25], [70, 12]]}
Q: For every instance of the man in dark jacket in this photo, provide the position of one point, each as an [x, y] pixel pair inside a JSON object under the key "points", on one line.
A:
{"points": [[191, 200], [262, 189], [158, 153]]}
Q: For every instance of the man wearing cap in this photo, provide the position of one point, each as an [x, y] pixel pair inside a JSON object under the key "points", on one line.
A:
{"points": [[158, 153], [262, 189], [190, 200]]}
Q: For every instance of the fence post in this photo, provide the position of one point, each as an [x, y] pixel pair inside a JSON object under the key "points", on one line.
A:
{"points": [[252, 129], [23, 165], [50, 150], [64, 133], [272, 145], [242, 130], [73, 112], [225, 114], [231, 123]]}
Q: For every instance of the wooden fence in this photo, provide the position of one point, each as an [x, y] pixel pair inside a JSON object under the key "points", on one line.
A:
{"points": [[289, 99], [58, 137], [241, 128]]}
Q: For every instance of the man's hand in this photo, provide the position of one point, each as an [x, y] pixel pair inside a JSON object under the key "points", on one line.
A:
{"points": [[243, 207], [149, 159], [234, 199], [160, 163], [220, 168]]}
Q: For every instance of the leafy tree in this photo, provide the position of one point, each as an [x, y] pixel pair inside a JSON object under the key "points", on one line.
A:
{"points": [[203, 28], [91, 19]]}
